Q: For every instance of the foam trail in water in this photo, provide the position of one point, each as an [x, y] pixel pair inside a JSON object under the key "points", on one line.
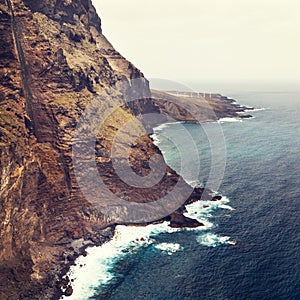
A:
{"points": [[164, 125], [256, 109], [212, 240], [228, 207], [168, 248], [194, 183], [225, 120], [155, 139]]}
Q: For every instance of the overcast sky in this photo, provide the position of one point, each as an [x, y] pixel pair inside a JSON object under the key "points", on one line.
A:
{"points": [[206, 39]]}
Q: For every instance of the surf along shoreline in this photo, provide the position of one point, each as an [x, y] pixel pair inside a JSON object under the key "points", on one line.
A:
{"points": [[223, 108]]}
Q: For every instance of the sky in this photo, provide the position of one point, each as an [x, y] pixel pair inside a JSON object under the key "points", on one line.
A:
{"points": [[206, 39]]}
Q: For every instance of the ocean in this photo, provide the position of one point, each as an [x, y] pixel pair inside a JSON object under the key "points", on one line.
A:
{"points": [[249, 247]]}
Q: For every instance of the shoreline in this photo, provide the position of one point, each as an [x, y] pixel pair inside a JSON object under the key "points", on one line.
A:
{"points": [[182, 108], [129, 238], [177, 220]]}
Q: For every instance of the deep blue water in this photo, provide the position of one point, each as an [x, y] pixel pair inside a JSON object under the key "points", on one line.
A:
{"points": [[262, 180]]}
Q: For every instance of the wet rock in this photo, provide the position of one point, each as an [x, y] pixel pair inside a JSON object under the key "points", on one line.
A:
{"points": [[69, 291], [177, 220], [216, 198]]}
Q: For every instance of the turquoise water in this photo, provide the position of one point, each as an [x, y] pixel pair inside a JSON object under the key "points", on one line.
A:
{"points": [[261, 179]]}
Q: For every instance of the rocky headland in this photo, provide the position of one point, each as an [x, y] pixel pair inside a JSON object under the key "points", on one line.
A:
{"points": [[54, 60]]}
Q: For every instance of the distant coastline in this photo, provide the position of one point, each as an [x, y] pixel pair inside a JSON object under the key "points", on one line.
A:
{"points": [[198, 107]]}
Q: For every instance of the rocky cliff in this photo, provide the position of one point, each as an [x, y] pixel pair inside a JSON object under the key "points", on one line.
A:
{"points": [[54, 62]]}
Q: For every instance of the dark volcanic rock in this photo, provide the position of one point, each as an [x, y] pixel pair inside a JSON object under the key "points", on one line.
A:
{"points": [[178, 220], [68, 291], [216, 198], [246, 116]]}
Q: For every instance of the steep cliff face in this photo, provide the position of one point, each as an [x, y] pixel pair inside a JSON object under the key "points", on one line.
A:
{"points": [[54, 61]]}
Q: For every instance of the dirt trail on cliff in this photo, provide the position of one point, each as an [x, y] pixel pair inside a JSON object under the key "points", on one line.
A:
{"points": [[24, 70]]}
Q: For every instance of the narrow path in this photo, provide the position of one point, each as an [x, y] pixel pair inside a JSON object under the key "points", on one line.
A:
{"points": [[32, 110], [24, 70]]}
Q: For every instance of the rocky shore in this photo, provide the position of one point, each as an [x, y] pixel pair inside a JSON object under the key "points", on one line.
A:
{"points": [[54, 62], [198, 107]]}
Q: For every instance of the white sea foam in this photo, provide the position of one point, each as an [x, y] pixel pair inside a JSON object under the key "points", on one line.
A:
{"points": [[202, 210], [194, 183], [164, 125], [96, 269], [155, 139], [231, 242], [212, 240], [226, 120], [161, 127], [228, 207], [100, 260], [168, 248], [256, 109]]}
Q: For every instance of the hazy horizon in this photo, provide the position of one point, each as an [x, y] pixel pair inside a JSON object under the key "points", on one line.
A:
{"points": [[206, 40]]}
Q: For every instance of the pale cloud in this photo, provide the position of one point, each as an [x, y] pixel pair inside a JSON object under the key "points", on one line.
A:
{"points": [[206, 39]]}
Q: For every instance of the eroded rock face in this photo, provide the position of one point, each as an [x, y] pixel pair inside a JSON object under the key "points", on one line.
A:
{"points": [[54, 61]]}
